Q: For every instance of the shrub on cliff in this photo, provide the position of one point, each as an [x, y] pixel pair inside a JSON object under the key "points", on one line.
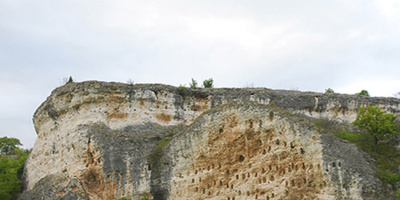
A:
{"points": [[208, 83], [329, 91], [363, 93], [193, 84], [376, 122]]}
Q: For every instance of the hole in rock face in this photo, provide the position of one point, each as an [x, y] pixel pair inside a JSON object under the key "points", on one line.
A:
{"points": [[302, 151], [277, 142], [241, 158], [340, 164], [333, 164], [221, 130]]}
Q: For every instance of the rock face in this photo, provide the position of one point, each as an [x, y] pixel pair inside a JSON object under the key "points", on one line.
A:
{"points": [[101, 140]]}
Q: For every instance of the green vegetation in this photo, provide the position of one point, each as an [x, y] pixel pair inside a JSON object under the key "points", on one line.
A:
{"points": [[8, 145], [70, 80], [181, 87], [388, 160], [12, 161], [329, 91], [363, 93], [375, 126], [378, 124], [208, 83], [193, 84], [125, 198]]}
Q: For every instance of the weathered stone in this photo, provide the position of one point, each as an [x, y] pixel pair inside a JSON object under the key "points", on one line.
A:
{"points": [[101, 140]]}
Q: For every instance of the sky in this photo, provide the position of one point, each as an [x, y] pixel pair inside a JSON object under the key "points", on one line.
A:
{"points": [[304, 45]]}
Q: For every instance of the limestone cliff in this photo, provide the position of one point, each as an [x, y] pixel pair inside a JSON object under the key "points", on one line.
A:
{"points": [[101, 140]]}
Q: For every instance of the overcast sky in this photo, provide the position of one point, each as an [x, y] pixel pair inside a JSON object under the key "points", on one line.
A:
{"points": [[305, 45]]}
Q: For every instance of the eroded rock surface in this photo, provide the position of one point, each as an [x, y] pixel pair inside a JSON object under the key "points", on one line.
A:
{"points": [[101, 140]]}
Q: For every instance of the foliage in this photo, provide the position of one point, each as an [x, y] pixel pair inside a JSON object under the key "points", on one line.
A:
{"points": [[376, 122], [125, 198], [363, 93], [388, 158], [11, 169], [8, 145], [208, 83], [398, 193], [193, 84], [70, 80], [349, 136], [329, 91], [181, 87]]}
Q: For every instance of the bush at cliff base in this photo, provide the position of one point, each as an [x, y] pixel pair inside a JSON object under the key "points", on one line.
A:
{"points": [[11, 169]]}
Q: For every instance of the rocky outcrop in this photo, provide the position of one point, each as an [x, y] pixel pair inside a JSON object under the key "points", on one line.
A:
{"points": [[101, 140]]}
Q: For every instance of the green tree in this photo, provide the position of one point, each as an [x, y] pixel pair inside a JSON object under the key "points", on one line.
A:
{"points": [[376, 122], [363, 93], [8, 145], [193, 84], [12, 161], [329, 91], [70, 80], [208, 83]]}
